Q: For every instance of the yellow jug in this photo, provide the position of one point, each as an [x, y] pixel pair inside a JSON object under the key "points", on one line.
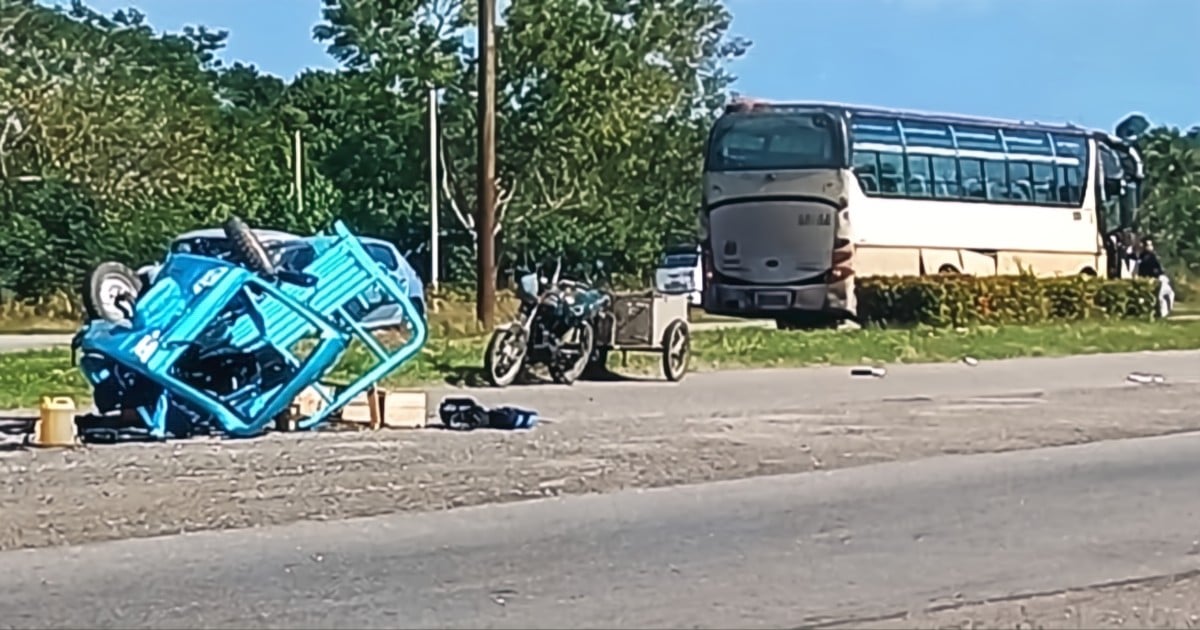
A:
{"points": [[56, 422]]}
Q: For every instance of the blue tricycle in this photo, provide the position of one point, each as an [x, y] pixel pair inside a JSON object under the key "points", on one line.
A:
{"points": [[226, 346]]}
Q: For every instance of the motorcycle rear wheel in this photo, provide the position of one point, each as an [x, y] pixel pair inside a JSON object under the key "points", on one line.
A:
{"points": [[505, 355], [247, 248], [566, 372]]}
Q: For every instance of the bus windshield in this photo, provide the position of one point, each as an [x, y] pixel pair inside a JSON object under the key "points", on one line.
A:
{"points": [[774, 140]]}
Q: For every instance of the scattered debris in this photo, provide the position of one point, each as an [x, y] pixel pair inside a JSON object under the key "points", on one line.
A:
{"points": [[1144, 378], [876, 372], [971, 361], [466, 414], [501, 596]]}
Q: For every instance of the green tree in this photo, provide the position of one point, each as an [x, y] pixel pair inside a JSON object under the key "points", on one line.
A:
{"points": [[601, 112], [1169, 208]]}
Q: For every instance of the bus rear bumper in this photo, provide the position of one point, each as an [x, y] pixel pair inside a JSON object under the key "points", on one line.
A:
{"points": [[773, 301]]}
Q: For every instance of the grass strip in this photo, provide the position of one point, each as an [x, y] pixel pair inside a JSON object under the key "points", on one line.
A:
{"points": [[25, 376]]}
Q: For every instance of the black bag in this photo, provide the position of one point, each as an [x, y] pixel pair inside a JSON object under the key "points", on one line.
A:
{"points": [[466, 414], [462, 414]]}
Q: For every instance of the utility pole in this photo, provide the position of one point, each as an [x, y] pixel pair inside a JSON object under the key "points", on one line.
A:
{"points": [[485, 179], [297, 156], [434, 156]]}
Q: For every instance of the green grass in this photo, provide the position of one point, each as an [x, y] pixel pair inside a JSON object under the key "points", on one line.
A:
{"points": [[25, 376]]}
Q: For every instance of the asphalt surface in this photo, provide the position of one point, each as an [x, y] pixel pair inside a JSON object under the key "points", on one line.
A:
{"points": [[780, 551], [17, 343], [755, 393]]}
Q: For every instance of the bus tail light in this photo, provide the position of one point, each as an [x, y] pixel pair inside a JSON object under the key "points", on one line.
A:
{"points": [[837, 274], [707, 263], [840, 260]]}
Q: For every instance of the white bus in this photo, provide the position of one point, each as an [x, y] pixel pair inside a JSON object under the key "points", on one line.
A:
{"points": [[801, 198]]}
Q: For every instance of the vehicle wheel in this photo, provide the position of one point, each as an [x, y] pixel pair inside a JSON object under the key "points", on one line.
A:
{"points": [[505, 355], [246, 247], [111, 291], [677, 347], [566, 370]]}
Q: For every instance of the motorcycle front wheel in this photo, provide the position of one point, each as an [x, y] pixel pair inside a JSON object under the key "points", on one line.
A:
{"points": [[574, 355], [505, 355]]}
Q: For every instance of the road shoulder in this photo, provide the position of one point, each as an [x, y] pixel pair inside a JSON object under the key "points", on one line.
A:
{"points": [[111, 492]]}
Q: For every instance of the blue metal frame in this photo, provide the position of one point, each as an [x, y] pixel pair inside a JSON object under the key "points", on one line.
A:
{"points": [[189, 301]]}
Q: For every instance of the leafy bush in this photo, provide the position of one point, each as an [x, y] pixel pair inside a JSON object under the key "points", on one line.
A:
{"points": [[944, 300]]}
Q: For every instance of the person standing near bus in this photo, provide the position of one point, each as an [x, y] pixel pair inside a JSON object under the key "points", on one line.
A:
{"points": [[1148, 266]]}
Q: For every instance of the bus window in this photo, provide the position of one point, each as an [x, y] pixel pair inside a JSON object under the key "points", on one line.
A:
{"points": [[945, 177], [1032, 142], [1020, 177], [748, 142], [891, 174], [1044, 188], [919, 180], [866, 169], [995, 174], [1070, 184], [972, 178]]}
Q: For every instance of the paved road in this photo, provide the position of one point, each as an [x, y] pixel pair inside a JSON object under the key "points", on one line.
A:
{"points": [[765, 552], [760, 392], [16, 343]]}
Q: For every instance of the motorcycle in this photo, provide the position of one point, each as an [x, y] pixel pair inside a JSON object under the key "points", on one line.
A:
{"points": [[555, 327]]}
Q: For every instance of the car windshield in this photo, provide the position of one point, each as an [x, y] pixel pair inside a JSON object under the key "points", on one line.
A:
{"points": [[382, 254], [680, 260], [295, 255]]}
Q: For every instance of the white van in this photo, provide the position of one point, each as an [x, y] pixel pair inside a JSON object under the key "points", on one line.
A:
{"points": [[679, 271]]}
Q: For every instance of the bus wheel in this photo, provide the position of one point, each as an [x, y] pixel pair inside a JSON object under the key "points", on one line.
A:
{"points": [[947, 270]]}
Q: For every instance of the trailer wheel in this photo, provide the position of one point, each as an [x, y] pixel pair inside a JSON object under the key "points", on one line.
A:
{"points": [[676, 349]]}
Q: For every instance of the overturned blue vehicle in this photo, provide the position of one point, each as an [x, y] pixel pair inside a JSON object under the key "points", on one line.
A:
{"points": [[226, 345]]}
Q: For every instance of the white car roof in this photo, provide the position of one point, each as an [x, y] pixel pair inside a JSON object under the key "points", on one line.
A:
{"points": [[263, 235]]}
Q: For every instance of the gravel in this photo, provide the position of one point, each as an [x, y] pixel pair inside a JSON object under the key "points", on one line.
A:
{"points": [[61, 497]]}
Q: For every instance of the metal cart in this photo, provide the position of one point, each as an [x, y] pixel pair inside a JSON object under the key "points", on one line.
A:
{"points": [[646, 321]]}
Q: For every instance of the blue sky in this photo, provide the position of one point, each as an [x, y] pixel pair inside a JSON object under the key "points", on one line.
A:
{"points": [[1085, 61]]}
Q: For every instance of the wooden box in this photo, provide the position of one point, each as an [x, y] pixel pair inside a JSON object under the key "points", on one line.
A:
{"points": [[394, 409]]}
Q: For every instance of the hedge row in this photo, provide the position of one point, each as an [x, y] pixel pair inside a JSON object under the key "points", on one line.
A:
{"points": [[952, 300]]}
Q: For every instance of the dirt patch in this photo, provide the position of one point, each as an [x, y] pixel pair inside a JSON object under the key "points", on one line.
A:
{"points": [[68, 497], [1165, 603]]}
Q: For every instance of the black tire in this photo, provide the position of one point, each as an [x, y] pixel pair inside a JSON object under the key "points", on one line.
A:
{"points": [[110, 292], [247, 250], [677, 346], [498, 374], [567, 374]]}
